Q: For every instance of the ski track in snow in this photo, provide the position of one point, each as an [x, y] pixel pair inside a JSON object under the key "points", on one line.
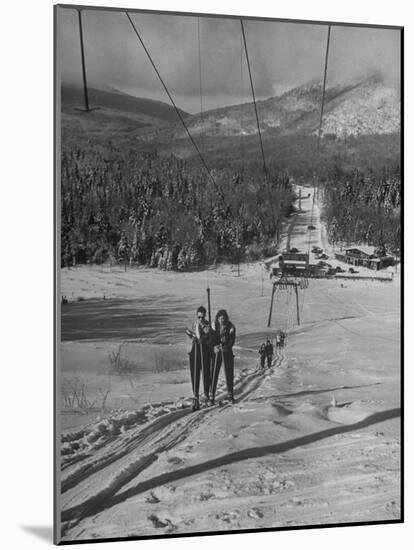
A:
{"points": [[115, 460], [149, 442]]}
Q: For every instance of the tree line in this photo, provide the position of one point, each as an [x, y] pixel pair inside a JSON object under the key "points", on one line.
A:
{"points": [[122, 205], [365, 208]]}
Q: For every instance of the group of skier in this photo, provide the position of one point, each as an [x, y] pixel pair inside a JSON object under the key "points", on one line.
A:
{"points": [[212, 347], [266, 354], [266, 349]]}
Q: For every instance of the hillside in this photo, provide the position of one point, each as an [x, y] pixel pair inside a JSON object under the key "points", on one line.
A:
{"points": [[118, 113], [367, 107], [361, 127]]}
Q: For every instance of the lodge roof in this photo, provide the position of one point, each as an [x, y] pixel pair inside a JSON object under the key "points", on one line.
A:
{"points": [[365, 249]]}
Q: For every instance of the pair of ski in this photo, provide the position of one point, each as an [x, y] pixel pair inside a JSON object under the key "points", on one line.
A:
{"points": [[211, 403]]}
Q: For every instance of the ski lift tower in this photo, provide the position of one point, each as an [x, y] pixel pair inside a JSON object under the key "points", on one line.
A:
{"points": [[293, 272]]}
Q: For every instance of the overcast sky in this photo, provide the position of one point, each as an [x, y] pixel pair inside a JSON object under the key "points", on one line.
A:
{"points": [[282, 55]]}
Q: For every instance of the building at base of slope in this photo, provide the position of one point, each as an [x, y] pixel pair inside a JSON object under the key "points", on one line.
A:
{"points": [[364, 256]]}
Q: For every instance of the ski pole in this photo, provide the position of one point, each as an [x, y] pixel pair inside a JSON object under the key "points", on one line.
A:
{"points": [[195, 366], [213, 389], [202, 361]]}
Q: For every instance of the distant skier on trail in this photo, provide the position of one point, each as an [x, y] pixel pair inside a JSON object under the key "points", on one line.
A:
{"points": [[269, 353], [200, 355], [262, 354], [224, 338], [280, 338]]}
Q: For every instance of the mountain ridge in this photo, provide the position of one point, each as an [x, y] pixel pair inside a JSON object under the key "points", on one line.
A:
{"points": [[365, 107], [288, 122]]}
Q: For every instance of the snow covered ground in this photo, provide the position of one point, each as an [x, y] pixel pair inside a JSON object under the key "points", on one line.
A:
{"points": [[313, 440]]}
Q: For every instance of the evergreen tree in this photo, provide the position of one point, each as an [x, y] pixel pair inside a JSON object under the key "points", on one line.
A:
{"points": [[182, 263], [333, 231], [369, 234], [135, 249], [123, 250]]}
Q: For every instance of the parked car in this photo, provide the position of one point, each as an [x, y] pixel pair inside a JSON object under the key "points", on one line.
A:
{"points": [[352, 270], [339, 269], [294, 250], [310, 227], [317, 250]]}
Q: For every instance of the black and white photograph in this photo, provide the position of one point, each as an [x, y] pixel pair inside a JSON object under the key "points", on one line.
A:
{"points": [[228, 249]]}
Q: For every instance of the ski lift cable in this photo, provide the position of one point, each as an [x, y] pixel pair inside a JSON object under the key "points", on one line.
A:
{"points": [[87, 109], [324, 86], [242, 90], [257, 120], [85, 83], [322, 107], [220, 192], [254, 97], [200, 81], [200, 71], [325, 73]]}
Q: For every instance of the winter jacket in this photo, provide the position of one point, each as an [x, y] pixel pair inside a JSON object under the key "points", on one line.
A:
{"points": [[225, 336]]}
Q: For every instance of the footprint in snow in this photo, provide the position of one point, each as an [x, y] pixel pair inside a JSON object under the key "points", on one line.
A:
{"points": [[152, 498], [255, 513], [160, 524], [228, 517], [174, 460], [206, 496]]}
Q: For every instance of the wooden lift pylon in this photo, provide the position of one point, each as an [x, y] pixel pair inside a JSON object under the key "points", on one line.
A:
{"points": [[282, 283]]}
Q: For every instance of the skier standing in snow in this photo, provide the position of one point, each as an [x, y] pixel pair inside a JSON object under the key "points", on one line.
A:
{"points": [[200, 355], [262, 354], [280, 338], [269, 353], [224, 337]]}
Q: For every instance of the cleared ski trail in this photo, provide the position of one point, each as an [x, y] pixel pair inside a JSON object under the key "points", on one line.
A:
{"points": [[313, 440]]}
